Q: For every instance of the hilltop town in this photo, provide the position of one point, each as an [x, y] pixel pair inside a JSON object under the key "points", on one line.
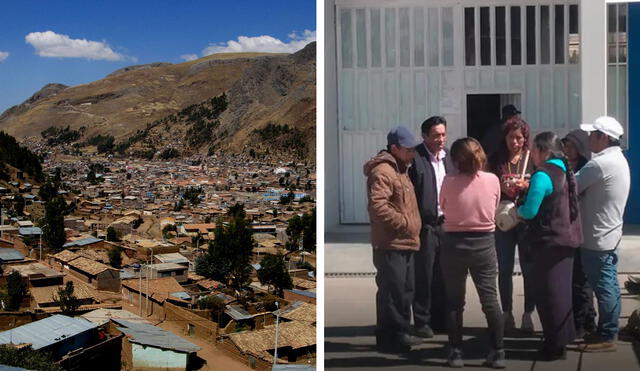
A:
{"points": [[197, 262]]}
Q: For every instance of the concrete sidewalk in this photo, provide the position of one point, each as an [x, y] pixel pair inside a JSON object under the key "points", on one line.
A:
{"points": [[350, 319]]}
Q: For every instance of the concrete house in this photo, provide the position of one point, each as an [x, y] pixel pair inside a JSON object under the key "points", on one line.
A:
{"points": [[149, 347], [100, 276], [561, 62], [57, 334]]}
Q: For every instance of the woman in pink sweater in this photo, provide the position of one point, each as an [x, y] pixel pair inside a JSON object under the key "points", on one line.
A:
{"points": [[469, 200]]}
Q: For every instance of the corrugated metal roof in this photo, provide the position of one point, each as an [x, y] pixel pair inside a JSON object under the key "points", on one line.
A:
{"points": [[144, 334], [82, 242], [181, 295], [176, 258], [8, 254], [29, 231], [292, 367], [102, 316], [46, 331], [304, 292], [237, 312]]}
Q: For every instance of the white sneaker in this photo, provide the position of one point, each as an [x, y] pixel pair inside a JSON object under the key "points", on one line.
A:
{"points": [[509, 321], [527, 323]]}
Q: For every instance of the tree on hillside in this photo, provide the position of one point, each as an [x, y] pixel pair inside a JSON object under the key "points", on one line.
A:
{"points": [[27, 358], [213, 303], [53, 223], [287, 199], [237, 211], [18, 203], [112, 235], [16, 290], [48, 190], [115, 257], [273, 272], [228, 256], [302, 227], [66, 299]]}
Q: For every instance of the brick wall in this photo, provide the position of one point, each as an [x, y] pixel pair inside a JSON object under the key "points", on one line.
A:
{"points": [[202, 327]]}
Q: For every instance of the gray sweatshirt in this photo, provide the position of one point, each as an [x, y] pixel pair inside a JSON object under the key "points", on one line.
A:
{"points": [[603, 185]]}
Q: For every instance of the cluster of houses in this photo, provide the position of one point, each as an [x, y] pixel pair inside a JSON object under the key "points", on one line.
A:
{"points": [[159, 244]]}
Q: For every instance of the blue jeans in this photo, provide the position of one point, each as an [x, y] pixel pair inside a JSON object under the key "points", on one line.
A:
{"points": [[601, 269]]}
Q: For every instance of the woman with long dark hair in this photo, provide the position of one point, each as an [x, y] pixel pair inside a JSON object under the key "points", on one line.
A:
{"points": [[508, 164], [555, 231]]}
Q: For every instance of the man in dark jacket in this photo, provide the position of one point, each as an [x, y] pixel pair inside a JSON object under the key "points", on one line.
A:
{"points": [[427, 172], [395, 235]]}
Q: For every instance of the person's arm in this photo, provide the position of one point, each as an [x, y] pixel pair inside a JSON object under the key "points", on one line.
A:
{"points": [[381, 209], [443, 193], [539, 188], [588, 175]]}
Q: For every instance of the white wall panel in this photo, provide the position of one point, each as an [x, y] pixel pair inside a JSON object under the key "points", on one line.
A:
{"points": [[546, 121], [362, 101], [420, 96], [360, 146], [347, 105]]}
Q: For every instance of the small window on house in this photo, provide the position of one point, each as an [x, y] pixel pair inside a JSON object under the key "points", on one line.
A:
{"points": [[612, 27], [433, 33], [516, 36], [347, 38], [485, 37], [390, 36], [545, 32], [469, 37], [361, 38], [376, 59], [405, 46], [418, 38], [501, 41], [447, 36], [560, 42], [574, 36], [531, 35]]}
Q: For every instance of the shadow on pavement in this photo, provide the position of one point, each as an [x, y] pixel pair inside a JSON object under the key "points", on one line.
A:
{"points": [[355, 347]]}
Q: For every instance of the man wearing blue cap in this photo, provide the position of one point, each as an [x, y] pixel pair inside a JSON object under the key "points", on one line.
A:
{"points": [[395, 235]]}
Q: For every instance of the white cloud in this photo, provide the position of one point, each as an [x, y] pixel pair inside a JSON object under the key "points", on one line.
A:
{"points": [[189, 57], [51, 44], [264, 43], [3, 55]]}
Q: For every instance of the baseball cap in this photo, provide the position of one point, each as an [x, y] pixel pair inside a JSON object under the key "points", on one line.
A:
{"points": [[403, 137], [607, 125], [510, 110]]}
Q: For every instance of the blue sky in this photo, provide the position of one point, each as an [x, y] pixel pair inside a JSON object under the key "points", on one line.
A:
{"points": [[75, 42]]}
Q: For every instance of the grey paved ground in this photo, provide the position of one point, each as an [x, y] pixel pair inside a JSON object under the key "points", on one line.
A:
{"points": [[350, 318]]}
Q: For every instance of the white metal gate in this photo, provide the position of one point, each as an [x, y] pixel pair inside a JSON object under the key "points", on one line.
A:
{"points": [[400, 62]]}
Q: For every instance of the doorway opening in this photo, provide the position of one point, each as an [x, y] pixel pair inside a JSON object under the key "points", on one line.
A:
{"points": [[484, 115]]}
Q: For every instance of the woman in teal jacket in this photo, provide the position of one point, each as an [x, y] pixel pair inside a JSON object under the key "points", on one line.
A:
{"points": [[555, 231]]}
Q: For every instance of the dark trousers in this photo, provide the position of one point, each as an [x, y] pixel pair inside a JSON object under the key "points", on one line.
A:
{"points": [[394, 279], [429, 299], [506, 248], [471, 253], [584, 313], [552, 270]]}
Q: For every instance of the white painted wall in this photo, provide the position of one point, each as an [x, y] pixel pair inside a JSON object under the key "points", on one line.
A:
{"points": [[416, 71]]}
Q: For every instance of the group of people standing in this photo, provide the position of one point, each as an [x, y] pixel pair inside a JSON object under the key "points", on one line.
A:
{"points": [[433, 222]]}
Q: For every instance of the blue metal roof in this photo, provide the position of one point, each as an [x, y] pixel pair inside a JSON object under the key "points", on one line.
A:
{"points": [[8, 254], [304, 292], [145, 334], [181, 295], [30, 231], [47, 331], [82, 242]]}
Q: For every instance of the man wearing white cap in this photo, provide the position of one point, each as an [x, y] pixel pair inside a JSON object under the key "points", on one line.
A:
{"points": [[603, 184]]}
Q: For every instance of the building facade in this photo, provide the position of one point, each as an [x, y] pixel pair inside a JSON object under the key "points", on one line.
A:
{"points": [[397, 63]]}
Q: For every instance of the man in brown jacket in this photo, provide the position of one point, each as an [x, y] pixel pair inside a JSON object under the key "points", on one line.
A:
{"points": [[395, 235]]}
